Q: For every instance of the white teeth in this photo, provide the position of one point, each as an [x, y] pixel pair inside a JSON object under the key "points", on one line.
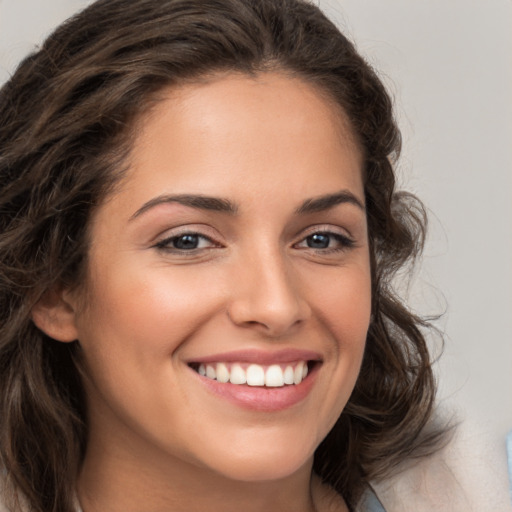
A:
{"points": [[288, 375], [237, 375], [255, 375], [222, 372], [273, 376], [210, 372], [297, 374]]}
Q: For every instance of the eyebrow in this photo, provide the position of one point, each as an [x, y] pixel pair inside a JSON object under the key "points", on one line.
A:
{"points": [[218, 204], [322, 203], [215, 204]]}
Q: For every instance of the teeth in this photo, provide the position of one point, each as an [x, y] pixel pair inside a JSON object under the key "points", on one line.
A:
{"points": [[210, 372], [222, 372], [255, 375], [288, 375], [297, 374], [237, 375], [273, 376]]}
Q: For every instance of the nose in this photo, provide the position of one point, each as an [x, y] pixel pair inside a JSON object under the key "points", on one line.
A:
{"points": [[267, 296]]}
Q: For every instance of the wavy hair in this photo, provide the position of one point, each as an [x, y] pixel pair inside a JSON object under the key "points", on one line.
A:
{"points": [[67, 120]]}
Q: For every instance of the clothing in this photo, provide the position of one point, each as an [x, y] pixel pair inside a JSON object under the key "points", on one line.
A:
{"points": [[509, 458], [370, 503], [468, 475]]}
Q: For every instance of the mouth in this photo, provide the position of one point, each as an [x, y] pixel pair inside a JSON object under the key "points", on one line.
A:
{"points": [[242, 373], [263, 381]]}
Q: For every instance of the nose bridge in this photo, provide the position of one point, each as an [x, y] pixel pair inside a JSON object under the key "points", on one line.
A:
{"points": [[266, 294]]}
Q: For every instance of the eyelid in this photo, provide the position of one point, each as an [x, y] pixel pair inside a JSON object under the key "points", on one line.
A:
{"points": [[325, 228], [191, 229], [343, 238], [165, 243]]}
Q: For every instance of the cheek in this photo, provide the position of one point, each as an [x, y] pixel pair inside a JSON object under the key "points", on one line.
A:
{"points": [[344, 309], [137, 322], [344, 304], [150, 308]]}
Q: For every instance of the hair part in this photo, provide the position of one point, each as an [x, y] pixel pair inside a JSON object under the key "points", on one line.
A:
{"points": [[68, 116]]}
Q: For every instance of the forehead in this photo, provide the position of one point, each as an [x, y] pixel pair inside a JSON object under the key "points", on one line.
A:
{"points": [[264, 115], [227, 91], [243, 136]]}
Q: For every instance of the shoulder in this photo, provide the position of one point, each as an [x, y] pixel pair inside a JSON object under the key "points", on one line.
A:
{"points": [[469, 474]]}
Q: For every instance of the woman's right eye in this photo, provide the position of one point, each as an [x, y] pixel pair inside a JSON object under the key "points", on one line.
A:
{"points": [[186, 242]]}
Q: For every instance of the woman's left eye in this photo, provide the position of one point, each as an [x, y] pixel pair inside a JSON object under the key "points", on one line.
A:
{"points": [[326, 241], [186, 242]]}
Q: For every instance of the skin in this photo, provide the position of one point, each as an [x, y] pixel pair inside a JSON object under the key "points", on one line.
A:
{"points": [[160, 440]]}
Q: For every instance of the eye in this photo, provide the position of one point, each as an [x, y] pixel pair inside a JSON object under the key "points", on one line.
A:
{"points": [[318, 241], [186, 242], [326, 241]]}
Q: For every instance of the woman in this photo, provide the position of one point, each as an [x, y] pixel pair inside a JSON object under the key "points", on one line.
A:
{"points": [[199, 229]]}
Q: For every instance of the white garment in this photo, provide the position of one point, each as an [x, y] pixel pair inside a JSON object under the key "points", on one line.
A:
{"points": [[469, 475]]}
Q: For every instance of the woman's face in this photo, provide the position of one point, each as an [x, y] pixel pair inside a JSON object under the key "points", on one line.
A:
{"points": [[236, 246]]}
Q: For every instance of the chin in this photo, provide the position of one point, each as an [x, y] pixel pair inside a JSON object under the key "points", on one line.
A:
{"points": [[264, 471], [264, 464]]}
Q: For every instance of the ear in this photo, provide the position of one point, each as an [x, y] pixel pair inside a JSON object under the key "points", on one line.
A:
{"points": [[55, 315]]}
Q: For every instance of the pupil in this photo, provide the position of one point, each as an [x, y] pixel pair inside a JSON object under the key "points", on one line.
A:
{"points": [[318, 241], [186, 242]]}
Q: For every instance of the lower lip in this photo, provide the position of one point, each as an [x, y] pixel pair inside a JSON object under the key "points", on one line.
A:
{"points": [[259, 398]]}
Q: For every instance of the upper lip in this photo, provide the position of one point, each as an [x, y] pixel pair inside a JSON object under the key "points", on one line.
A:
{"points": [[260, 357]]}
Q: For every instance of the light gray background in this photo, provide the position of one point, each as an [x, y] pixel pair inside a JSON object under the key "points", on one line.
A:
{"points": [[448, 64]]}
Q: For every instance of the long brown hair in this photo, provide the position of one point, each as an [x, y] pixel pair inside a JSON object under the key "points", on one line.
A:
{"points": [[67, 117]]}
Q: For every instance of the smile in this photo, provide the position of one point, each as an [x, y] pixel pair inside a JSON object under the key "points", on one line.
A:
{"points": [[273, 376], [264, 381]]}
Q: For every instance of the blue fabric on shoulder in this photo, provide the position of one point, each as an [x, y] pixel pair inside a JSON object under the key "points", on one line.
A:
{"points": [[509, 457], [370, 502]]}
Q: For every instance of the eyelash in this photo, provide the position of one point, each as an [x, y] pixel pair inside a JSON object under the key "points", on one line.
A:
{"points": [[345, 243], [166, 244]]}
